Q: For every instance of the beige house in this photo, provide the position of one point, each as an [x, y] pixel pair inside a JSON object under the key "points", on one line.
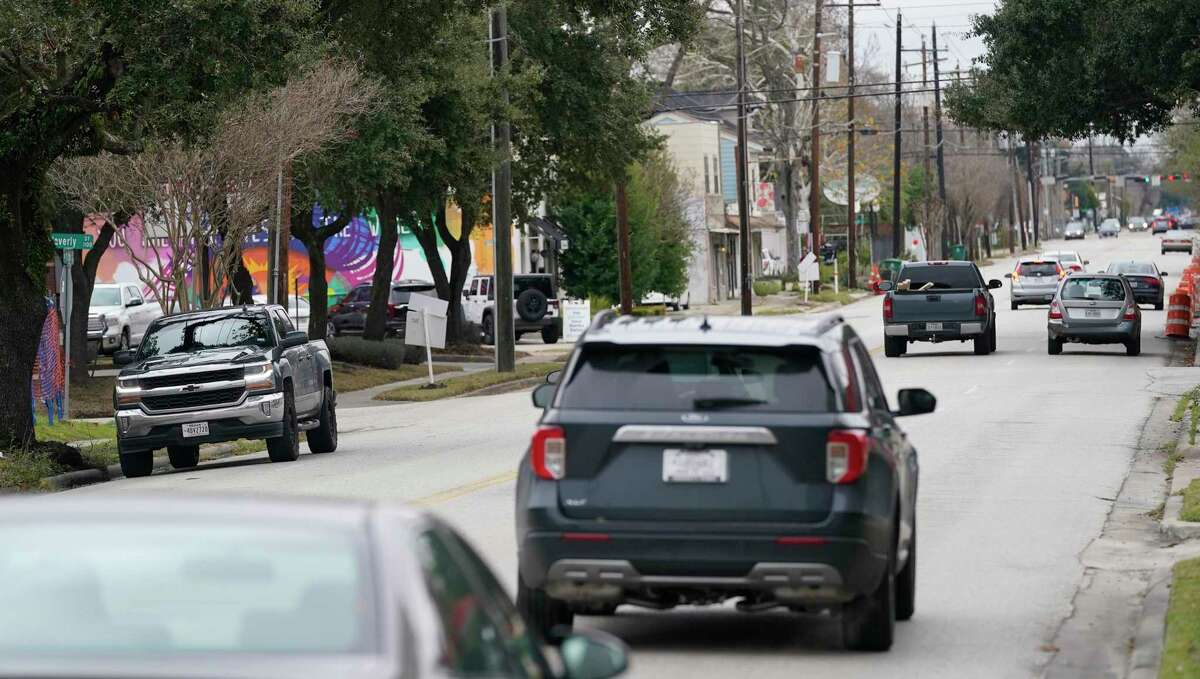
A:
{"points": [[701, 137]]}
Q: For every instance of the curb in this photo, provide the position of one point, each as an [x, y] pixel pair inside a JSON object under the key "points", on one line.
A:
{"points": [[1151, 632], [1173, 527], [83, 477]]}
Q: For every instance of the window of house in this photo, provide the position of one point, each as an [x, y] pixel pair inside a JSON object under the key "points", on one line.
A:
{"points": [[707, 185]]}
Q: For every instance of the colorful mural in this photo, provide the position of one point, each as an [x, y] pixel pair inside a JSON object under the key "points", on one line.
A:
{"points": [[349, 256]]}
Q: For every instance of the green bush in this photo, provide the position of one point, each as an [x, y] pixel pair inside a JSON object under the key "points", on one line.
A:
{"points": [[765, 287], [389, 354], [599, 303], [650, 310]]}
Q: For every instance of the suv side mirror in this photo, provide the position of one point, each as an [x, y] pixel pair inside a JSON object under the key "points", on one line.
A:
{"points": [[1162, 274], [122, 358], [554, 377], [995, 283], [1087, 261], [593, 655], [544, 394], [294, 338], [915, 402], [886, 286]]}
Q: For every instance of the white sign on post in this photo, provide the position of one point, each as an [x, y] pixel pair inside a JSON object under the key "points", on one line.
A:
{"points": [[809, 271], [577, 316], [425, 325]]}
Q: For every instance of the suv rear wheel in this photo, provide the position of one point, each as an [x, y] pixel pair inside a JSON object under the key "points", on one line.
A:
{"points": [[551, 618], [489, 329], [550, 334], [869, 622], [906, 582], [183, 457], [1053, 346]]}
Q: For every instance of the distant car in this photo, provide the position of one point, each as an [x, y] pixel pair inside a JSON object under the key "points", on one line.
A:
{"points": [[1109, 228], [275, 588], [1034, 281], [1138, 224], [1162, 225], [1075, 231], [118, 316], [1145, 279], [1095, 309], [297, 309], [709, 459], [349, 316], [1070, 260], [1176, 240]]}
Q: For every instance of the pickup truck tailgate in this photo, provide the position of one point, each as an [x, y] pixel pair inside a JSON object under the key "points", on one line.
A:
{"points": [[941, 305]]}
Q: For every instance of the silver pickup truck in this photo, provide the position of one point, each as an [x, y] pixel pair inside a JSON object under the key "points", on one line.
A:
{"points": [[938, 302], [220, 375]]}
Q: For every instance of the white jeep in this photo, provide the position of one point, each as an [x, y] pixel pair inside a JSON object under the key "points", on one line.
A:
{"points": [[535, 306]]}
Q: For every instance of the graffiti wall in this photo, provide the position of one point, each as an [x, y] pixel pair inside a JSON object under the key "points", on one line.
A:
{"points": [[349, 256]]}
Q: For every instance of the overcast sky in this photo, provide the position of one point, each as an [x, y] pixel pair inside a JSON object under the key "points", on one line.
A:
{"points": [[876, 31]]}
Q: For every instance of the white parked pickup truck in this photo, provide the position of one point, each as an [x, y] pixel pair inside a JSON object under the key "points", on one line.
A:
{"points": [[118, 316]]}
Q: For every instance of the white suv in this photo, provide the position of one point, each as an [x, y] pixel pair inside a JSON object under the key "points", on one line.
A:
{"points": [[118, 316], [535, 306]]}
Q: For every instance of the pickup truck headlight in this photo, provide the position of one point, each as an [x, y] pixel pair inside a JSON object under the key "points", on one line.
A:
{"points": [[128, 391], [260, 377]]}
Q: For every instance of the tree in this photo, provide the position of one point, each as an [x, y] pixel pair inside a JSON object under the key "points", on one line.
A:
{"points": [[79, 78], [1124, 65], [976, 194]]}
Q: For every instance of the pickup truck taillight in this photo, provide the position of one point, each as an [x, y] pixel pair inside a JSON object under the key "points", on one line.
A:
{"points": [[845, 455], [548, 453], [980, 305], [888, 308]]}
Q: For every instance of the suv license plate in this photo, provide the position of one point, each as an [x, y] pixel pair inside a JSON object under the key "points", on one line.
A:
{"points": [[695, 466], [1091, 313], [195, 429], [933, 326]]}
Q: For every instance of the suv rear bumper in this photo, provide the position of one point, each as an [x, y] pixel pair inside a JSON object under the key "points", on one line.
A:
{"points": [[258, 416], [521, 325], [1104, 334]]}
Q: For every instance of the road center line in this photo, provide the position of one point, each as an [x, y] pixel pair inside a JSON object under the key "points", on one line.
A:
{"points": [[465, 489]]}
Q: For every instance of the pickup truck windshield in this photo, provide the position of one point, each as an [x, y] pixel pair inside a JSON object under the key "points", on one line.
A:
{"points": [[686, 378], [106, 297], [199, 333], [941, 277], [1096, 289]]}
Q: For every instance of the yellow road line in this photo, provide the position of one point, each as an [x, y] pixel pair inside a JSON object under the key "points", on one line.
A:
{"points": [[465, 489]]}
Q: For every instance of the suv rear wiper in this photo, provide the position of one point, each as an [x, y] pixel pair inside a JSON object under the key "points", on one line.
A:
{"points": [[725, 402]]}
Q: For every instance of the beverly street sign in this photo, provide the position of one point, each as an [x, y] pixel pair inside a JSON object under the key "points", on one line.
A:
{"points": [[73, 241]]}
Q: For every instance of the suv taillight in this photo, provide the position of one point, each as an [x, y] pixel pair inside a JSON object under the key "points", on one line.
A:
{"points": [[888, 310], [548, 453], [1055, 311], [845, 455], [980, 305], [1130, 313]]}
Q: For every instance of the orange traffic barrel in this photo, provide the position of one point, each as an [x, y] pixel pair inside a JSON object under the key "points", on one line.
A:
{"points": [[1179, 315]]}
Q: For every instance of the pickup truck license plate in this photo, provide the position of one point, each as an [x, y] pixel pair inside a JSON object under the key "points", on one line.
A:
{"points": [[695, 466], [195, 429], [1091, 313], [933, 326]]}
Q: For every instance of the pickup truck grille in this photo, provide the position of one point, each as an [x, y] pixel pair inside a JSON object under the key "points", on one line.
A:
{"points": [[181, 379], [94, 324], [199, 399]]}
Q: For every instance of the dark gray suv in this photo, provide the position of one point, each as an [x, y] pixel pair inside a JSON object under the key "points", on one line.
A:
{"points": [[684, 461]]}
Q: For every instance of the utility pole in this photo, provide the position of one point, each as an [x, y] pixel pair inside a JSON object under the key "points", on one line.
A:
{"points": [[926, 148], [941, 152], [962, 131], [1033, 201], [1092, 181], [814, 199], [1012, 203], [503, 330], [897, 229], [743, 171]]}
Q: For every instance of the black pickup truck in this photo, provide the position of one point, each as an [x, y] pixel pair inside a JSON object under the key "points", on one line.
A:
{"points": [[938, 302], [221, 375]]}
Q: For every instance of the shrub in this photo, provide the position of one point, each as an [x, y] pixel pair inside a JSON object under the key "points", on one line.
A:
{"points": [[650, 310], [599, 303], [762, 288], [388, 354]]}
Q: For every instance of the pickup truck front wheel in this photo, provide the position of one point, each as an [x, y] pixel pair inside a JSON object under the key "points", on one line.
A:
{"points": [[323, 439], [894, 347], [286, 448], [137, 464]]}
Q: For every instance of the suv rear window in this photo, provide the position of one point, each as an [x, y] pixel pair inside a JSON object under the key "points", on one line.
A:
{"points": [[686, 378], [942, 277], [401, 293], [1097, 289], [1038, 269], [523, 283]]}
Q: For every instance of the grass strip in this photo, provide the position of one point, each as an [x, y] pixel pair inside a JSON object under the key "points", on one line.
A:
{"points": [[470, 383], [1191, 502], [1181, 651], [349, 377]]}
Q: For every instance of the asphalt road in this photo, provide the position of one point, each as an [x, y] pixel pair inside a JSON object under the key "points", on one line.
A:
{"points": [[1018, 467]]}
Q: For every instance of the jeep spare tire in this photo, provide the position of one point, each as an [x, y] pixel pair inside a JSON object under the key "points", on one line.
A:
{"points": [[532, 305]]}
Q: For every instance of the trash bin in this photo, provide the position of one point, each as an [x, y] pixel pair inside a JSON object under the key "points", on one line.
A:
{"points": [[889, 268], [958, 251]]}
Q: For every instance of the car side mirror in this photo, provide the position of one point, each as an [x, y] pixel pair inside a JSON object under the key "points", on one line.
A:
{"points": [[916, 402], [543, 395], [1086, 262], [294, 338], [594, 655], [1162, 274], [886, 286], [554, 377], [133, 302], [995, 284], [122, 357], [1008, 275]]}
